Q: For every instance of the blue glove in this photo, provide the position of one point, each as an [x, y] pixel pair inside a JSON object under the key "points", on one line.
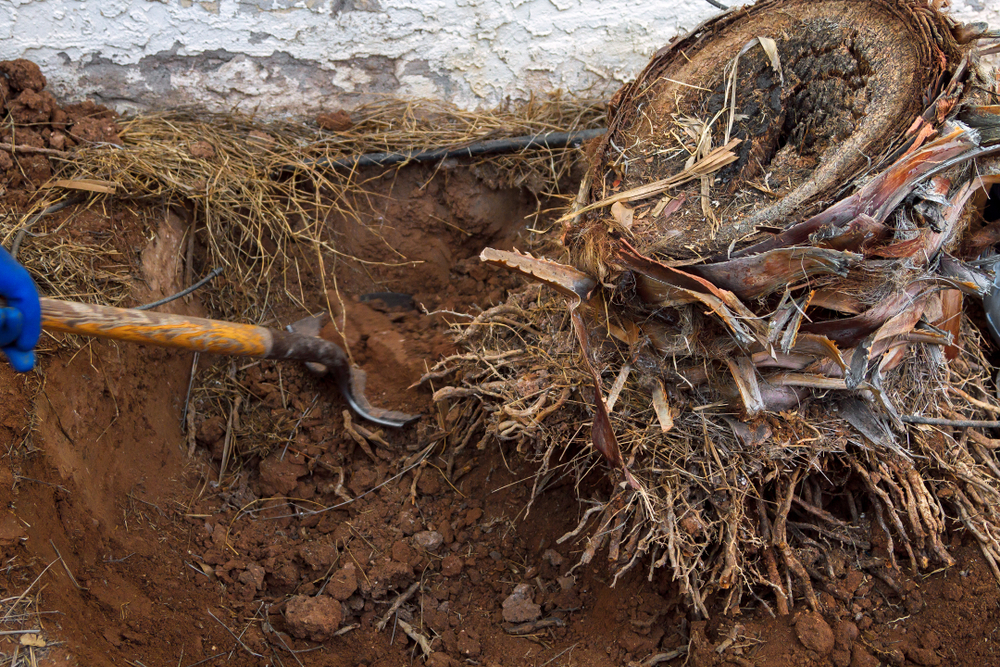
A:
{"points": [[21, 319]]}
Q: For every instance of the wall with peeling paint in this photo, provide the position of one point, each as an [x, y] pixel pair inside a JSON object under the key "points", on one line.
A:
{"points": [[301, 56]]}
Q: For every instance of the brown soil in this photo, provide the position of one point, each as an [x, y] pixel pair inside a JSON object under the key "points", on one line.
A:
{"points": [[130, 552]]}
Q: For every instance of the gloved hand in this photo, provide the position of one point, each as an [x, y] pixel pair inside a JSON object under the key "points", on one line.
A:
{"points": [[21, 319]]}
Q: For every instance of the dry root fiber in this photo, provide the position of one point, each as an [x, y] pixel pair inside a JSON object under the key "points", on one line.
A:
{"points": [[259, 195], [767, 319]]}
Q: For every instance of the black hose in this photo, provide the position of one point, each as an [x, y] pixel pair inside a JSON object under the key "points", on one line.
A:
{"points": [[510, 145]]}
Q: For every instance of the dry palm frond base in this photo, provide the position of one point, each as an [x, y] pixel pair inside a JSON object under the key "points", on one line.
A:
{"points": [[771, 343]]}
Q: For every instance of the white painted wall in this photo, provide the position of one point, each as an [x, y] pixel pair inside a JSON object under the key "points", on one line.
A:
{"points": [[295, 56]]}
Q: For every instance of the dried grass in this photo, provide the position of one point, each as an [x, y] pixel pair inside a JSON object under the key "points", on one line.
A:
{"points": [[22, 628], [260, 189]]}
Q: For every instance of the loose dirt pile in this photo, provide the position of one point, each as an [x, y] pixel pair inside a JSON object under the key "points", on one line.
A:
{"points": [[271, 528]]}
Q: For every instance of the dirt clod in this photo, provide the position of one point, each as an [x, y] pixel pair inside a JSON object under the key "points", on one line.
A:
{"points": [[337, 121], [278, 478], [552, 557], [403, 552], [814, 633], [202, 150], [840, 658], [468, 643], [23, 74], [440, 659], [95, 130], [430, 540], [519, 606], [451, 566], [313, 618], [31, 107], [860, 657], [253, 576], [211, 431], [952, 592], [343, 583], [923, 656], [844, 633]]}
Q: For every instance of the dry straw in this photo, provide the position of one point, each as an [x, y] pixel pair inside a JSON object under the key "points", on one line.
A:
{"points": [[257, 193]]}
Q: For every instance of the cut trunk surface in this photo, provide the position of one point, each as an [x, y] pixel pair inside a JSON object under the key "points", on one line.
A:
{"points": [[818, 94]]}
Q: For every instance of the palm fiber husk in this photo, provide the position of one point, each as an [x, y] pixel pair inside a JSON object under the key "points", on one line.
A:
{"points": [[770, 279]]}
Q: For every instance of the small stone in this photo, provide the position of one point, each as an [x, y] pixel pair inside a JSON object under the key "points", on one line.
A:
{"points": [[253, 576], [451, 566], [343, 583], [566, 583], [431, 540], [923, 656], [519, 607], [841, 658], [814, 633], [313, 618], [553, 557], [57, 141]]}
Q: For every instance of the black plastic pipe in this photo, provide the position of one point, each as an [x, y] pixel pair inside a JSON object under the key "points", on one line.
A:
{"points": [[492, 146]]}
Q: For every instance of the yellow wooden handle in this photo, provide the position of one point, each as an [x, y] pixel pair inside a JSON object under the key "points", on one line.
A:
{"points": [[217, 337], [162, 329]]}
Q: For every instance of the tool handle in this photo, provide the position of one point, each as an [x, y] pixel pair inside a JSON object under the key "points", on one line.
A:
{"points": [[218, 337], [162, 329]]}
